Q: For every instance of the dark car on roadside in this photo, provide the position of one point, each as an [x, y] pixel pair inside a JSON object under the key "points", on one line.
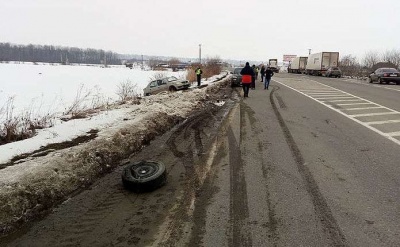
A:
{"points": [[333, 72], [386, 75], [236, 79], [170, 83]]}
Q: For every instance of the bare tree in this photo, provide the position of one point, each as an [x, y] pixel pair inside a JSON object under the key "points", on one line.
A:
{"points": [[371, 58], [173, 61], [350, 66], [127, 91], [154, 63], [392, 56], [212, 66]]}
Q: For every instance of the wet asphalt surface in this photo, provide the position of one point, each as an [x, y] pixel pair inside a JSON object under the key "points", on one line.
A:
{"points": [[274, 169]]}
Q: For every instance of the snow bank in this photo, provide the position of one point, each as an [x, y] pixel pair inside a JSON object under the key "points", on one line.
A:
{"points": [[30, 187]]}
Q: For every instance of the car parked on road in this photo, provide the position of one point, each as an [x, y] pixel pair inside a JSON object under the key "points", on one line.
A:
{"points": [[236, 79], [386, 75], [170, 83], [333, 72]]}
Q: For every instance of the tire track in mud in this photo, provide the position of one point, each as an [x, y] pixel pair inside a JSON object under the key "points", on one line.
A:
{"points": [[187, 144], [324, 213], [87, 223], [239, 211], [265, 167]]}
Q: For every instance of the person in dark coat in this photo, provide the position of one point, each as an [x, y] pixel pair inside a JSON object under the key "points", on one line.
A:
{"points": [[262, 72], [254, 78], [268, 74], [247, 77]]}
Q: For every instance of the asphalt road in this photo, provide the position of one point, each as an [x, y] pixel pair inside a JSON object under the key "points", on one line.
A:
{"points": [[312, 161]]}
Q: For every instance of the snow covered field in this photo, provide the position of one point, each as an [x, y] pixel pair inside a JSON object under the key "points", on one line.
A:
{"points": [[36, 182], [52, 88]]}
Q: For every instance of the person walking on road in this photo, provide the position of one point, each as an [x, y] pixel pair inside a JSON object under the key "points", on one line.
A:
{"points": [[262, 71], [253, 78], [256, 71], [247, 77], [198, 74], [268, 74]]}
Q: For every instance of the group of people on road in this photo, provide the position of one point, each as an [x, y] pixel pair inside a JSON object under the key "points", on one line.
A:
{"points": [[250, 75]]}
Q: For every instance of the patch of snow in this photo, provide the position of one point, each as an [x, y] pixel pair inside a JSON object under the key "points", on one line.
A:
{"points": [[59, 173]]}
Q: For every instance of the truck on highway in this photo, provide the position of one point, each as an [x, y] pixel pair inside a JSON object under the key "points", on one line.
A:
{"points": [[298, 65], [273, 64], [318, 63]]}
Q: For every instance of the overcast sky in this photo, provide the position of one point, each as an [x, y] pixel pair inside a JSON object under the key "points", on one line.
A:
{"points": [[241, 30]]}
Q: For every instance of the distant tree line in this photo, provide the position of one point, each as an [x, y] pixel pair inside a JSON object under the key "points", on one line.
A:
{"points": [[351, 66], [56, 54]]}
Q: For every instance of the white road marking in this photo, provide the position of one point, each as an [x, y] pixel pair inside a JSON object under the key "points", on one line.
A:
{"points": [[383, 122], [356, 104], [392, 134], [373, 85], [336, 97], [304, 91], [325, 93], [328, 94], [319, 91], [362, 108], [345, 100], [374, 114]]}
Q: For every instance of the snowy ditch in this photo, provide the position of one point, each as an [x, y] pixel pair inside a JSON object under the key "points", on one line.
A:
{"points": [[38, 182]]}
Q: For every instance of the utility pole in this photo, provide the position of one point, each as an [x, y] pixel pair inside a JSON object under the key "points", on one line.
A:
{"points": [[200, 54], [309, 51], [142, 63]]}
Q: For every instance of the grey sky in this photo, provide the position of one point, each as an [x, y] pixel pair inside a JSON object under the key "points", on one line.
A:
{"points": [[242, 30]]}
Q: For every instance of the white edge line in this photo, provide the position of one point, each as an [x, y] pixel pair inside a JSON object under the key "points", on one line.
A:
{"points": [[342, 113]]}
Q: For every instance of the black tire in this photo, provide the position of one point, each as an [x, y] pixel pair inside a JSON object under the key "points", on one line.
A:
{"points": [[144, 176], [147, 94], [172, 89]]}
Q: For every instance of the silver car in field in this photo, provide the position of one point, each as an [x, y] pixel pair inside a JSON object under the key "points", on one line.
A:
{"points": [[170, 83]]}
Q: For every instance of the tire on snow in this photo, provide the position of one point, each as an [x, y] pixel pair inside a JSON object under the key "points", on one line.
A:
{"points": [[144, 176]]}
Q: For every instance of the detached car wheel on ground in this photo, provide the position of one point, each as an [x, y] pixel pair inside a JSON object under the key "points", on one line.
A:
{"points": [[144, 176]]}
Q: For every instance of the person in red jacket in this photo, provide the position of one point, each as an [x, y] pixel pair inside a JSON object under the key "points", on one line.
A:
{"points": [[247, 74]]}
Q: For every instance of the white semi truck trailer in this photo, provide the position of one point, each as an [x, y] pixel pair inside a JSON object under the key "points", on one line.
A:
{"points": [[318, 63], [298, 65], [273, 64]]}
